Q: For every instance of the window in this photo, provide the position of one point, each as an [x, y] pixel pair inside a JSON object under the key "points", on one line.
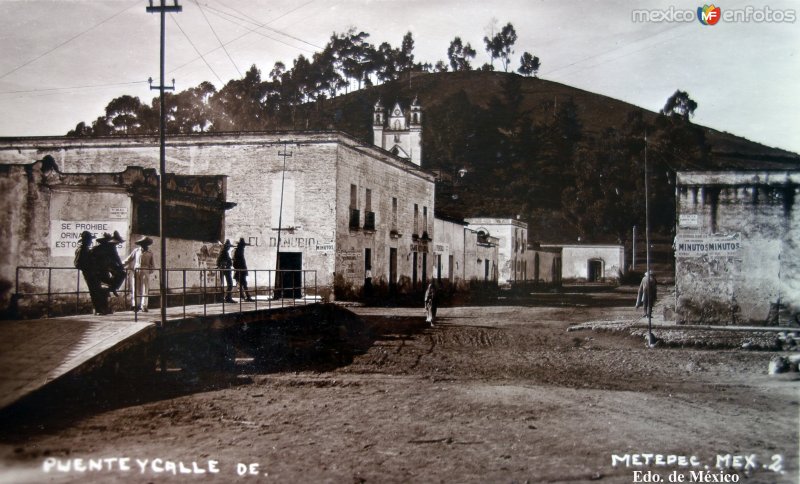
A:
{"points": [[355, 215], [368, 200], [425, 220], [394, 214], [353, 196], [416, 219]]}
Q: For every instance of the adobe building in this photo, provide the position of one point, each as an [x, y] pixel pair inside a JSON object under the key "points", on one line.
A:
{"points": [[341, 207], [543, 264], [591, 263], [512, 241], [45, 211], [736, 247], [463, 255]]}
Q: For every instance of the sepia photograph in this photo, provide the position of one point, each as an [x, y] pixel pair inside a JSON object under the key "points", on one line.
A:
{"points": [[352, 241]]}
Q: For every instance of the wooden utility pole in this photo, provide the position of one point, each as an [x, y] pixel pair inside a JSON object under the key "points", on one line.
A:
{"points": [[162, 9], [285, 154]]}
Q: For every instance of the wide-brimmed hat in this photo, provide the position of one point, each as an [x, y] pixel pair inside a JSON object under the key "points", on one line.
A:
{"points": [[117, 238], [86, 235], [105, 238], [227, 243], [242, 242], [145, 240]]}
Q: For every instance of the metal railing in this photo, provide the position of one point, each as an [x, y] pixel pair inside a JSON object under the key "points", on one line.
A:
{"points": [[267, 287]]}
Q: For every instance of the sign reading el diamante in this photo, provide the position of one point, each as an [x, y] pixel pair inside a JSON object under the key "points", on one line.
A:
{"points": [[708, 245]]}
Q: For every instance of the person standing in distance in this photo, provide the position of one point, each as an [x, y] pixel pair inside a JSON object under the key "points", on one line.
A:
{"points": [[224, 263], [142, 263], [240, 272], [646, 296]]}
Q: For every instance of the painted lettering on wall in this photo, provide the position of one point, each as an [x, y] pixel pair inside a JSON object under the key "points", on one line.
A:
{"points": [[299, 242], [708, 245], [688, 220], [65, 235]]}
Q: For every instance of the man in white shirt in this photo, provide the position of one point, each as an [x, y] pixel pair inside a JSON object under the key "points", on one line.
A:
{"points": [[141, 261]]}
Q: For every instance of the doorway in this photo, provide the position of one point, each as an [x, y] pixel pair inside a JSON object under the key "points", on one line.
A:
{"points": [[594, 270], [290, 278], [392, 269]]}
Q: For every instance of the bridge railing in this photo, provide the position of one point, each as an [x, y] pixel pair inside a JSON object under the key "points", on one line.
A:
{"points": [[40, 290]]}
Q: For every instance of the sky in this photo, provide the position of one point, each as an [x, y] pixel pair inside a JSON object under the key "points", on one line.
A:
{"points": [[62, 61]]}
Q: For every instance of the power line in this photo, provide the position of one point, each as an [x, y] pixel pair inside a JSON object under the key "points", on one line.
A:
{"points": [[87, 86], [255, 21], [31, 61], [246, 34], [195, 49], [218, 39], [251, 30]]}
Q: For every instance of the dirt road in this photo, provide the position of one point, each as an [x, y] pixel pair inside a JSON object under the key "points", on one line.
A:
{"points": [[498, 393]]}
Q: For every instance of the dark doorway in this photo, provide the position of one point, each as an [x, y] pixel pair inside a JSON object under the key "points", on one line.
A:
{"points": [[439, 268], [424, 269], [414, 271], [536, 268], [594, 271], [486, 267], [290, 277], [392, 268]]}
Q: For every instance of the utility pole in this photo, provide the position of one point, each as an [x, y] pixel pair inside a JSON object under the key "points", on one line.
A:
{"points": [[649, 307], [162, 272], [285, 154]]}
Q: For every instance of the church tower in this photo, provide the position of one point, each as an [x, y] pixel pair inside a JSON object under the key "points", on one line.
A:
{"points": [[398, 134]]}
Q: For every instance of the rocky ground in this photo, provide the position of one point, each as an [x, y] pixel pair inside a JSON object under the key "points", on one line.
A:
{"points": [[492, 393]]}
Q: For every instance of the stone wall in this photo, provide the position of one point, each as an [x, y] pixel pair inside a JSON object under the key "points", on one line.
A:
{"points": [[737, 248]]}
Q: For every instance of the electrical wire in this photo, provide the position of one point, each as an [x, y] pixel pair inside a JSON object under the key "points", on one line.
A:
{"points": [[31, 61], [196, 50], [218, 39], [248, 33], [88, 86], [255, 21]]}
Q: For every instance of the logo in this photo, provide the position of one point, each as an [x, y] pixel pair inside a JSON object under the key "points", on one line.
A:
{"points": [[708, 14]]}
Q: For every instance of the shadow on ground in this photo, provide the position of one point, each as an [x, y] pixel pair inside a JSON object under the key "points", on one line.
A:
{"points": [[202, 362]]}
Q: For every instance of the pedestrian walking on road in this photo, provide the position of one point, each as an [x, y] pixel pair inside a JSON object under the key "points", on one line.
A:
{"points": [[85, 263], [430, 303], [240, 270], [141, 262], [648, 290]]}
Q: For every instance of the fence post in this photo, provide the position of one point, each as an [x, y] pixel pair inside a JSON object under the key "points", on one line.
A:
{"points": [[255, 286], [49, 288], [184, 293], [77, 293], [205, 285]]}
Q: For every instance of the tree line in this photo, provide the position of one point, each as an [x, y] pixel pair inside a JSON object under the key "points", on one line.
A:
{"points": [[257, 102]]}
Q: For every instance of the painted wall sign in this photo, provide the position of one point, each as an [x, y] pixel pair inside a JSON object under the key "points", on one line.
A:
{"points": [[708, 245], [349, 255], [324, 247], [688, 220], [291, 241], [65, 235], [441, 248], [118, 213]]}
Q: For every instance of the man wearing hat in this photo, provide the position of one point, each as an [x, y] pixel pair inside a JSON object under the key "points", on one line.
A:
{"points": [[241, 269], [85, 263], [110, 269], [224, 262], [646, 296], [141, 262]]}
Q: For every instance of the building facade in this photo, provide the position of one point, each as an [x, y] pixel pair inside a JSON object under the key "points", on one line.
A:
{"points": [[462, 255], [398, 134], [736, 247], [512, 241], [332, 204], [591, 263], [46, 210]]}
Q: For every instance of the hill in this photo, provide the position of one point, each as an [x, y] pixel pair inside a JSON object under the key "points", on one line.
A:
{"points": [[504, 169]]}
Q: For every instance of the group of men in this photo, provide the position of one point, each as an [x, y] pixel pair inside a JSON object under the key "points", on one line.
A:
{"points": [[239, 265], [104, 271]]}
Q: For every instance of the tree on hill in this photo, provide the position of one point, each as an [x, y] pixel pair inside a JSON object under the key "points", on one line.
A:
{"points": [[500, 46], [680, 105], [529, 64], [460, 54]]}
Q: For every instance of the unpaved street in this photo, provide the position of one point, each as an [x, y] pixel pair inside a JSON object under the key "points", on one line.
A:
{"points": [[493, 393]]}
